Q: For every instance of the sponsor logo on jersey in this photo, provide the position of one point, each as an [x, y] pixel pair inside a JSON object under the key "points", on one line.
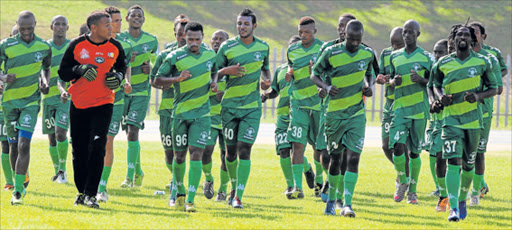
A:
{"points": [[12, 43], [110, 55], [84, 54], [337, 52], [99, 53], [182, 56], [233, 44]]}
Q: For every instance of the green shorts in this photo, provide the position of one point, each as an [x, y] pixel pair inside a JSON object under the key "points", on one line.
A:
{"points": [[135, 110], [304, 126], [194, 132], [460, 143], [436, 144], [386, 119], [321, 138], [345, 133], [214, 135], [20, 119], [3, 130], [408, 131], [55, 115], [166, 131], [116, 121], [240, 125], [484, 135], [282, 133]]}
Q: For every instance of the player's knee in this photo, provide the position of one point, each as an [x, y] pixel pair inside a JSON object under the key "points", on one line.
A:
{"points": [[468, 167], [284, 152], [455, 161], [61, 135], [399, 149], [51, 139], [244, 151], [133, 133], [414, 155], [180, 157], [353, 159], [385, 145], [335, 164], [5, 147]]}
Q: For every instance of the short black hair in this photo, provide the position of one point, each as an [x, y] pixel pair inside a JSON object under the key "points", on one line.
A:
{"points": [[293, 39], [480, 25], [194, 26], [347, 15], [306, 20], [84, 29], [135, 7], [248, 13], [456, 27], [95, 17], [443, 42], [179, 18], [356, 25], [112, 10]]}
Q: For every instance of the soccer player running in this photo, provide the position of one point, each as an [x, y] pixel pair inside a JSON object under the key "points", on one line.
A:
{"points": [[27, 60], [304, 101], [56, 103], [179, 19], [349, 65], [241, 103], [193, 72], [280, 87], [487, 109], [409, 73], [88, 63], [117, 110], [459, 81], [136, 103]]}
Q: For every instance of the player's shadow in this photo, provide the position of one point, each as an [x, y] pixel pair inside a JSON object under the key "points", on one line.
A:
{"points": [[245, 215]]}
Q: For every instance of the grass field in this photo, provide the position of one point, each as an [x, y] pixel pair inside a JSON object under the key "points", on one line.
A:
{"points": [[49, 205]]}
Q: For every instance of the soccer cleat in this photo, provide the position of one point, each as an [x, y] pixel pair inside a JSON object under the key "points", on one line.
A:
{"points": [[237, 203], [180, 202], [325, 191], [297, 194], [412, 198], [463, 211], [330, 208], [347, 211], [17, 197], [442, 204], [138, 180], [400, 192], [435, 193], [90, 201], [102, 196], [288, 192], [310, 177], [208, 189], [318, 189], [79, 199], [127, 183], [474, 200], [8, 187], [54, 178], [27, 180], [62, 177], [172, 201], [231, 196], [484, 190], [339, 204], [221, 196], [189, 207], [454, 215]]}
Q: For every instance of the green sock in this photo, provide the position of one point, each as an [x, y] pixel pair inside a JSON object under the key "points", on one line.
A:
{"points": [[341, 187], [138, 169], [169, 166], [350, 186], [319, 179], [207, 170], [6, 166], [483, 181], [243, 175], [174, 188], [224, 181], [179, 175], [194, 177], [286, 166], [400, 168], [62, 149], [18, 182], [466, 178], [333, 185], [477, 184], [232, 168], [442, 186], [297, 174], [453, 184], [132, 152], [415, 166], [55, 158], [307, 167], [104, 178], [433, 170]]}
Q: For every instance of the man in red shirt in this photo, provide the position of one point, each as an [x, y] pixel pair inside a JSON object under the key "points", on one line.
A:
{"points": [[94, 63]]}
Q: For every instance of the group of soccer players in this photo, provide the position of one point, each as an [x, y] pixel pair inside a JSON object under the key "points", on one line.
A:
{"points": [[214, 93]]}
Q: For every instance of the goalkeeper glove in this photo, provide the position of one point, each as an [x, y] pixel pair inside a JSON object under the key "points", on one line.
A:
{"points": [[113, 80], [87, 71]]}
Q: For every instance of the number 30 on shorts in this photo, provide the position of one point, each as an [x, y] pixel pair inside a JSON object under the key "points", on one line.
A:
{"points": [[49, 123], [449, 146]]}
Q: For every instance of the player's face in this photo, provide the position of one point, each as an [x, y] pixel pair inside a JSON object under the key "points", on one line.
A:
{"points": [[451, 46], [194, 40], [478, 33], [397, 42], [135, 18], [353, 40], [307, 33], [26, 28], [440, 51], [244, 26], [180, 35], [462, 38], [116, 22], [342, 26], [60, 27], [217, 39], [104, 28], [410, 35]]}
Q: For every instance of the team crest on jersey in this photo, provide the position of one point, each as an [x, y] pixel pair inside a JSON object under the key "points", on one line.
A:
{"points": [[84, 54], [249, 133], [360, 144], [63, 117], [133, 115], [361, 65], [471, 72], [38, 56], [204, 135], [209, 65], [257, 56], [314, 57], [115, 125], [145, 47], [99, 60], [416, 67], [26, 119]]}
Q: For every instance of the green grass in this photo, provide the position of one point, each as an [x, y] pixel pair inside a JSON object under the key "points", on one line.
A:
{"points": [[49, 205]]}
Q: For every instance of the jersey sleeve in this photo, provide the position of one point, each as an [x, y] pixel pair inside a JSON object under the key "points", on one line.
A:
{"points": [[381, 62], [222, 60], [3, 56], [158, 63], [266, 65], [436, 76], [501, 60], [391, 67], [68, 61], [370, 70], [322, 64], [274, 85], [120, 65], [214, 69], [128, 55], [496, 69], [488, 77], [167, 67]]}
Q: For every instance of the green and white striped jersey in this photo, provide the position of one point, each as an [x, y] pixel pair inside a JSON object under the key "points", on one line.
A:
{"points": [[53, 96], [282, 87]]}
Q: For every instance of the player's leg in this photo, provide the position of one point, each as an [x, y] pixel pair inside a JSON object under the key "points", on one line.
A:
{"points": [[224, 177], [207, 163], [297, 136], [230, 125], [49, 129], [135, 113], [61, 130], [6, 162], [322, 158], [479, 186], [167, 143], [452, 151], [470, 145], [386, 124], [436, 147], [180, 145], [415, 146], [283, 149], [432, 156], [399, 131], [334, 132], [10, 118]]}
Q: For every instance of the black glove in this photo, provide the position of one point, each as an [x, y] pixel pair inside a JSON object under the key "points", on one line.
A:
{"points": [[87, 71], [113, 80]]}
